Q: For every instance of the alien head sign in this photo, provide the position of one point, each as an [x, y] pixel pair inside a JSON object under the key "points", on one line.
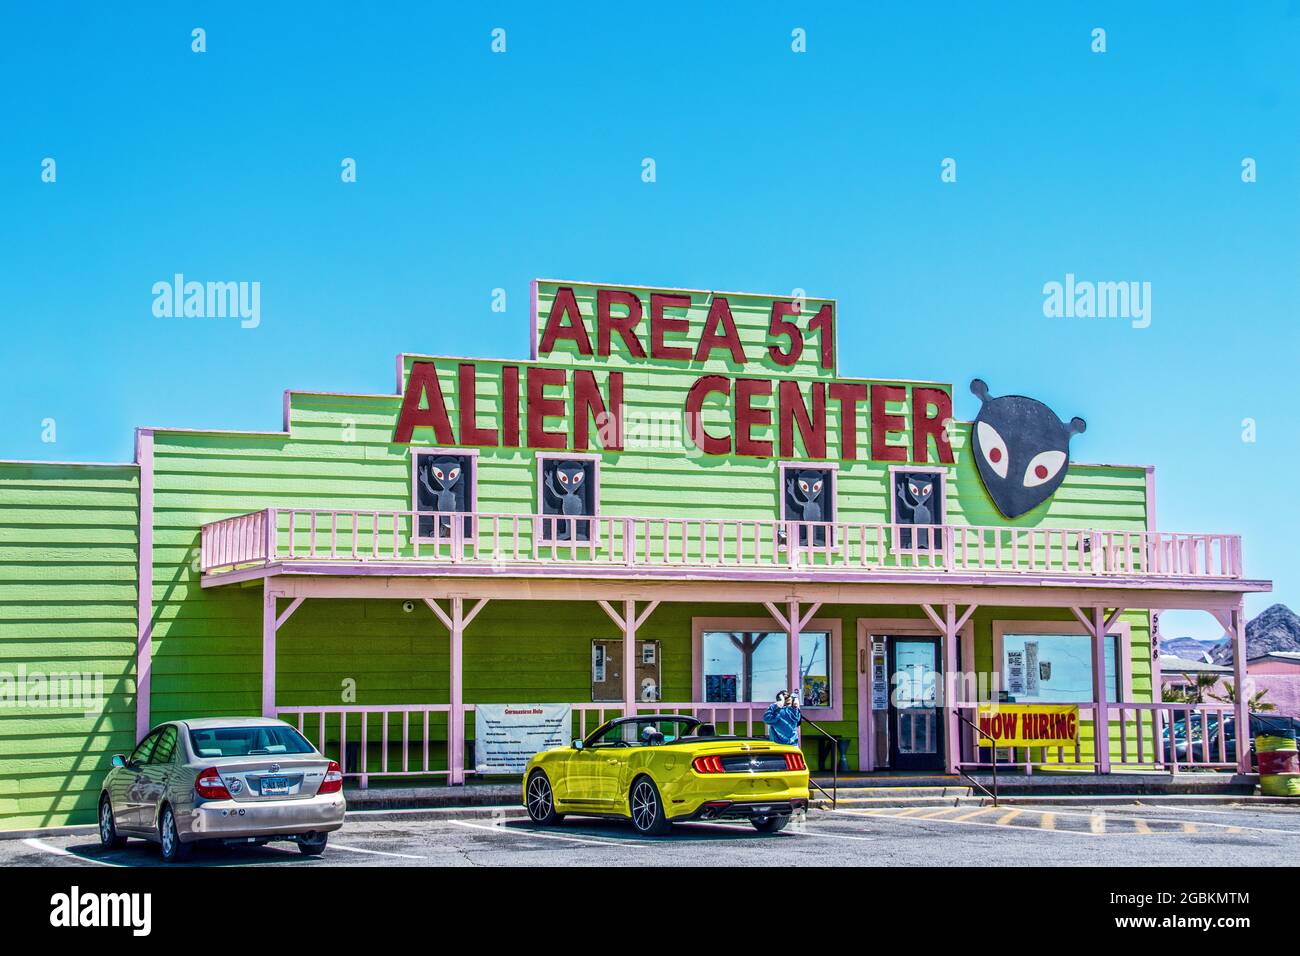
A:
{"points": [[1021, 449]]}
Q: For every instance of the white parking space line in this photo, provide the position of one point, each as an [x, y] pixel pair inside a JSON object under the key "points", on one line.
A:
{"points": [[360, 849], [36, 844], [510, 810], [875, 815], [1151, 819], [543, 836]]}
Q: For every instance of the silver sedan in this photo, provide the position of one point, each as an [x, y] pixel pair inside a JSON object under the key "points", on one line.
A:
{"points": [[222, 779]]}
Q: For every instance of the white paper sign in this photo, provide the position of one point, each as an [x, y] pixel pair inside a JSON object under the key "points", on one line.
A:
{"points": [[1031, 668], [1015, 673], [507, 735]]}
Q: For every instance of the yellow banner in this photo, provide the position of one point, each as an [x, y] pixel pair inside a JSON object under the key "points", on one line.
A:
{"points": [[1028, 725]]}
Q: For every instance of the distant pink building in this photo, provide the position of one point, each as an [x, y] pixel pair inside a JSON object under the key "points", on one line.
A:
{"points": [[1277, 672]]}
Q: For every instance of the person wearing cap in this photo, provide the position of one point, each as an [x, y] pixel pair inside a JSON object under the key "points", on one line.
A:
{"points": [[782, 718]]}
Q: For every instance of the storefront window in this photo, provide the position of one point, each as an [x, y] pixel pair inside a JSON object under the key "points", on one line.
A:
{"points": [[1055, 667], [752, 666]]}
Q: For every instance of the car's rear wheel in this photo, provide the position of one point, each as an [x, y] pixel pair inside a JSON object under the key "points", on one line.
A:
{"points": [[648, 808], [313, 844], [541, 800], [169, 840], [769, 824], [109, 838]]}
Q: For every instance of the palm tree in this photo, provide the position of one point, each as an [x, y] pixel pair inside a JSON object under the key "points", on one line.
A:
{"points": [[1257, 704]]}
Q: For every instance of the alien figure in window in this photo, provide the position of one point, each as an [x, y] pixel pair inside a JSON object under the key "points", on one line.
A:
{"points": [[916, 492], [440, 478], [804, 493], [570, 495]]}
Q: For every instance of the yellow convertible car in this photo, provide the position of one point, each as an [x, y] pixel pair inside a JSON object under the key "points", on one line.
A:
{"points": [[662, 769]]}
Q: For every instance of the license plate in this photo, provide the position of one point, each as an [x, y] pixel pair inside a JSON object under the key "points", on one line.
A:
{"points": [[271, 786]]}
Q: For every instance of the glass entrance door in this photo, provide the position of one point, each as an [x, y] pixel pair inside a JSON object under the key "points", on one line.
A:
{"points": [[915, 724]]}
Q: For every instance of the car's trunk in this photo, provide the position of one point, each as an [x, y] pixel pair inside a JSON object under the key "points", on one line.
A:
{"points": [[284, 777]]}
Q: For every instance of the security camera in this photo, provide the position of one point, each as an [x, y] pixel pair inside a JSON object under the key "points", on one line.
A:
{"points": [[408, 606]]}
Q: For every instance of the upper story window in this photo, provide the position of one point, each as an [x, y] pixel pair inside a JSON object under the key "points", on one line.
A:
{"points": [[808, 494], [443, 480], [569, 488], [918, 498]]}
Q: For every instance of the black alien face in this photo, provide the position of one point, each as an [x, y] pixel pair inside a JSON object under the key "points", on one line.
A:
{"points": [[1021, 448], [570, 476], [921, 488], [809, 484], [444, 472]]}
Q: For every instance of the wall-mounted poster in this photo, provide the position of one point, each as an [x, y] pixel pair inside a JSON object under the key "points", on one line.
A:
{"points": [[506, 736], [720, 688]]}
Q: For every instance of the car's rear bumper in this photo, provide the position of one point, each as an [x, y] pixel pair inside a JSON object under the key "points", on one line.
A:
{"points": [[746, 810], [689, 797], [223, 819]]}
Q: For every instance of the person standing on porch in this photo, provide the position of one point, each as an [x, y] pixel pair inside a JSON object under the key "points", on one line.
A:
{"points": [[782, 718]]}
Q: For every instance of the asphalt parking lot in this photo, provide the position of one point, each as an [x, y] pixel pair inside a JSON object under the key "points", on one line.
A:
{"points": [[1139, 835]]}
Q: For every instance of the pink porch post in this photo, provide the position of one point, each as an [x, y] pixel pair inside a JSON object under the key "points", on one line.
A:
{"points": [[456, 622], [1233, 622], [950, 626], [629, 622], [271, 624], [1097, 625], [793, 622]]}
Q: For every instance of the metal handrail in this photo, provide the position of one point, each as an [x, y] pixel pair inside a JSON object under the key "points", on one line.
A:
{"points": [[993, 795], [835, 764]]}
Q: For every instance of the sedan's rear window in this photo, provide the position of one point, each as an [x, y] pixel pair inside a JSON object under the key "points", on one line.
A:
{"points": [[247, 741]]}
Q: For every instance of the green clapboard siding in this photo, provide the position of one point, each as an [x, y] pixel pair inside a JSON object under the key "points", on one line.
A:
{"points": [[68, 545]]}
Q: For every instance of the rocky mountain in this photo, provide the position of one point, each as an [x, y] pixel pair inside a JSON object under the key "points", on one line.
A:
{"points": [[1188, 648], [1276, 629]]}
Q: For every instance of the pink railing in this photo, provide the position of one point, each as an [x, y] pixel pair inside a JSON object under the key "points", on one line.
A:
{"points": [[403, 734], [288, 534], [409, 740], [1140, 736]]}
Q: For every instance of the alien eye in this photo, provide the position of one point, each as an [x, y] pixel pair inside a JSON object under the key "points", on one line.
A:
{"points": [[993, 448], [925, 491], [454, 474], [577, 477], [803, 485], [437, 473], [912, 488], [564, 479], [1043, 467], [817, 486]]}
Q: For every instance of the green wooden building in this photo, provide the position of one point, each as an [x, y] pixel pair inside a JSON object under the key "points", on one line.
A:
{"points": [[677, 503]]}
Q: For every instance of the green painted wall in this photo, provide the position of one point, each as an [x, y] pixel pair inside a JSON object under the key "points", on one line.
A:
{"points": [[68, 536]]}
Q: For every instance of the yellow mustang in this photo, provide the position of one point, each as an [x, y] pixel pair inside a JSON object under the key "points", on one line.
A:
{"points": [[663, 769]]}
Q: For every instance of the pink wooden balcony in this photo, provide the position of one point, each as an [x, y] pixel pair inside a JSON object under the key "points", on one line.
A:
{"points": [[510, 541]]}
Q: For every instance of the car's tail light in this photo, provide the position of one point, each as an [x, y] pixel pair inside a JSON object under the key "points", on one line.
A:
{"points": [[795, 762], [333, 781], [708, 764], [210, 786]]}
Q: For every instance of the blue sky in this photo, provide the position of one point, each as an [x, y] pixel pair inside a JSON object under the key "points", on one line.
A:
{"points": [[775, 170]]}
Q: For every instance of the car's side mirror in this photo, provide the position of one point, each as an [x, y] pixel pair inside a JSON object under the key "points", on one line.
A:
{"points": [[119, 761], [577, 743]]}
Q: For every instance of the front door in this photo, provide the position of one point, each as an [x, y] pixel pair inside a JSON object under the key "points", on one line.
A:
{"points": [[915, 724]]}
